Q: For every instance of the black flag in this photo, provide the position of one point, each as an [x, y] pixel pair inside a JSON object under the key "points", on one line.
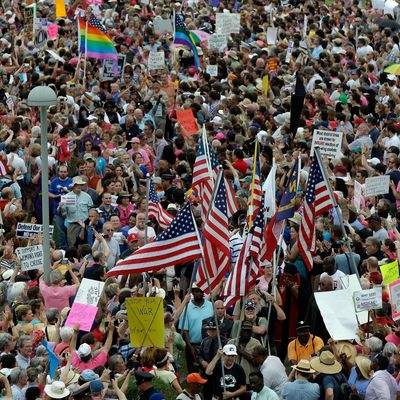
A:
{"points": [[297, 103]]}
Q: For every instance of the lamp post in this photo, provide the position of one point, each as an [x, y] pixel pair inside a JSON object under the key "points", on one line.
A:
{"points": [[43, 97]]}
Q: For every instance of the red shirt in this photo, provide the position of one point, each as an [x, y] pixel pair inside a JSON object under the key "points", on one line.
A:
{"points": [[241, 166]]}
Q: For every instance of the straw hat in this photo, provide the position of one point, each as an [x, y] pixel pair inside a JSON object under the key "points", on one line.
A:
{"points": [[304, 367], [56, 390], [348, 349], [326, 363], [364, 365], [296, 218]]}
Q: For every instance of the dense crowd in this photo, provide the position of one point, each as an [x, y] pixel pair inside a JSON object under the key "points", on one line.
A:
{"points": [[108, 135]]}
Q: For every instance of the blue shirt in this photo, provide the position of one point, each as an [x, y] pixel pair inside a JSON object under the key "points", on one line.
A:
{"points": [[360, 384], [300, 390], [56, 186]]}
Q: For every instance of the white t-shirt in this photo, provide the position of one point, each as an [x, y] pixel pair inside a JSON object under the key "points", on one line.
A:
{"points": [[337, 283], [151, 233]]}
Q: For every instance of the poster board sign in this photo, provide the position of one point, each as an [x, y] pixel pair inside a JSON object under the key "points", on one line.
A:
{"points": [[41, 37], [146, 321], [82, 314], [187, 121], [162, 25], [31, 230], [156, 60], [394, 295], [390, 272], [329, 143], [272, 34], [351, 283], [55, 55], [89, 292], [212, 70], [289, 51], [227, 23], [121, 62], [218, 42], [31, 257], [370, 299], [273, 64], [108, 72], [69, 200], [376, 185], [52, 31]]}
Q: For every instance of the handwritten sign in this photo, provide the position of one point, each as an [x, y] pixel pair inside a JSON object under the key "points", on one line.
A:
{"points": [[329, 143], [394, 295], [370, 299], [69, 200], [377, 185], [89, 292], [156, 60], [52, 31], [31, 257], [390, 272], [162, 25], [82, 314], [218, 42], [227, 23], [187, 121], [146, 321], [31, 230], [212, 70]]}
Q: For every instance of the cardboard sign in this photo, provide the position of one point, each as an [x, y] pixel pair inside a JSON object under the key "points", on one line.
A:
{"points": [[156, 60], [89, 292], [82, 314], [108, 72], [69, 200], [370, 299], [390, 272], [227, 23], [377, 185], [187, 120], [329, 143], [218, 42], [162, 25], [146, 321], [31, 230], [31, 257], [272, 34], [394, 294], [212, 70]]}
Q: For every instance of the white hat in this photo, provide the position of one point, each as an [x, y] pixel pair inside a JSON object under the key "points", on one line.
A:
{"points": [[217, 120], [56, 390], [84, 350], [374, 161], [7, 274], [92, 117], [392, 77], [172, 207], [230, 350], [77, 180]]}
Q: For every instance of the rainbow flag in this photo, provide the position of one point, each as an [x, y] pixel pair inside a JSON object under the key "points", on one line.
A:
{"points": [[98, 43]]}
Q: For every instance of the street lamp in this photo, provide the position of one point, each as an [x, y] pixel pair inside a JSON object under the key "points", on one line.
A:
{"points": [[43, 97]]}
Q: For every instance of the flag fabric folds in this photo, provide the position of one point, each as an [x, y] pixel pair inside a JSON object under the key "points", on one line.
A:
{"points": [[4, 170], [216, 241], [157, 211], [179, 243], [54, 361], [255, 188], [316, 202]]}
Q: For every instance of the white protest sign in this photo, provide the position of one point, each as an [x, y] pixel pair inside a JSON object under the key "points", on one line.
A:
{"points": [[377, 185], [89, 292], [114, 199], [357, 195], [352, 284], [31, 230], [340, 319], [31, 257], [162, 25], [218, 42], [394, 295], [156, 60], [227, 23], [10, 102], [212, 70], [272, 34], [370, 299], [289, 51], [55, 55], [69, 200], [329, 143]]}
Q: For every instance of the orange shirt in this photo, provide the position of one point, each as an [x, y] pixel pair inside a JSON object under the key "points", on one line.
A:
{"points": [[297, 352]]}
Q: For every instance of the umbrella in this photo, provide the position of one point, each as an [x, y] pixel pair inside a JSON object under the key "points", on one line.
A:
{"points": [[393, 69], [387, 23]]}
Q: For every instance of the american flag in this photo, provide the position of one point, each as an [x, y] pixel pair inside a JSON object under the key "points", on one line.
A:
{"points": [[156, 210], [178, 244], [316, 202], [216, 242], [255, 188], [3, 168], [203, 178], [240, 281], [96, 23]]}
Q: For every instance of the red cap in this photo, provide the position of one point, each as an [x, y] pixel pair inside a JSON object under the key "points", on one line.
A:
{"points": [[358, 121], [133, 237], [195, 378]]}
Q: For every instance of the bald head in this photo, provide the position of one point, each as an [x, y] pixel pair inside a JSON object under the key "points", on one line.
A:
{"points": [[326, 283]]}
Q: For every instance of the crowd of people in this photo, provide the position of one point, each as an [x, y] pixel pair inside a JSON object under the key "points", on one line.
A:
{"points": [[107, 136]]}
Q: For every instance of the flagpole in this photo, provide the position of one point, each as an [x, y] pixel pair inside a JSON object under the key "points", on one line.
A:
{"points": [[220, 171], [148, 183], [338, 212], [252, 185], [86, 37]]}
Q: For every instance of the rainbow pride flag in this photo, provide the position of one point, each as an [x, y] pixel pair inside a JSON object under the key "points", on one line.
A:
{"points": [[96, 44]]}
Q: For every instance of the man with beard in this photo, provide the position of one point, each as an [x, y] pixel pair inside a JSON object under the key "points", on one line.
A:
{"points": [[305, 345]]}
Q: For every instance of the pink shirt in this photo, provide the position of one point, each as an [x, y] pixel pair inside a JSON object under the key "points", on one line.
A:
{"points": [[57, 297], [101, 359]]}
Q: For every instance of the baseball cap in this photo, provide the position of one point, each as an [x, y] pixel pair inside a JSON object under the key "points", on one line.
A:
{"points": [[133, 237], [211, 325], [195, 378], [374, 161], [302, 325], [230, 350], [84, 350], [250, 304], [88, 375], [96, 386]]}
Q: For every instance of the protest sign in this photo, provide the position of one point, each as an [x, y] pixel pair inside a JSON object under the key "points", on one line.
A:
{"points": [[162, 25], [55, 55], [146, 321], [41, 37], [9, 102], [108, 72], [28, 15], [329, 143], [273, 64], [289, 51], [370, 299], [114, 199], [69, 200], [121, 61], [212, 70], [357, 195], [156, 60], [52, 31], [82, 314], [272, 34], [377, 185], [31, 257], [352, 284], [227, 23], [187, 121], [31, 230], [218, 42], [394, 294], [390, 272], [89, 292], [389, 7]]}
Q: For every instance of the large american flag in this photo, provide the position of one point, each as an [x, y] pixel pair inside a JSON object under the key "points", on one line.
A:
{"points": [[96, 23], [255, 188], [316, 202], [156, 210], [204, 179], [178, 244], [216, 242]]}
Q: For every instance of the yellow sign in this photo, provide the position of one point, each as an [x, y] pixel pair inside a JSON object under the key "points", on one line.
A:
{"points": [[60, 9], [265, 84], [146, 321], [390, 272]]}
